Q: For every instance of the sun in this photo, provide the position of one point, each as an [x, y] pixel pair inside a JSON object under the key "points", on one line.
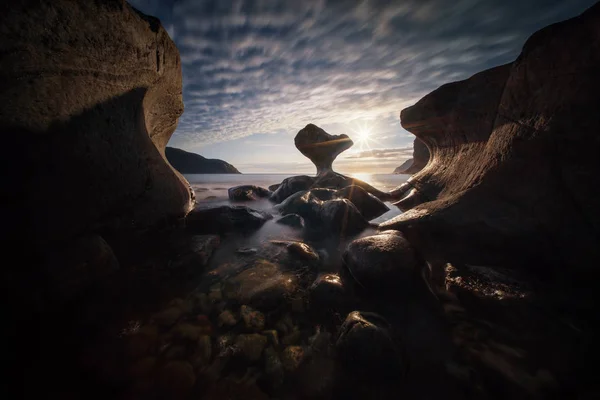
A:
{"points": [[363, 136]]}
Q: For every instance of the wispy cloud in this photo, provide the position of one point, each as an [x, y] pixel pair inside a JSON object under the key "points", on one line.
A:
{"points": [[272, 66]]}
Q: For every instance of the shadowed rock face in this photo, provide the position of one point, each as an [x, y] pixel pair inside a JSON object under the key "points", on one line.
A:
{"points": [[321, 147], [513, 175], [89, 150], [419, 160]]}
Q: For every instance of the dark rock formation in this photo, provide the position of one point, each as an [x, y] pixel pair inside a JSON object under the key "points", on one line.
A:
{"points": [[368, 205], [291, 185], [513, 174], [384, 262], [225, 219], [192, 163], [107, 99], [321, 147], [293, 220], [247, 193], [418, 161]]}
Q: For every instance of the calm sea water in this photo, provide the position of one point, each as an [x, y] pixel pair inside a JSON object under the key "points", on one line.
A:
{"points": [[211, 189]]}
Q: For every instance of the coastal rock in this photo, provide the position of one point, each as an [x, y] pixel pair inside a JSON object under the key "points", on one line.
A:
{"points": [[327, 292], [506, 139], [253, 320], [418, 161], [368, 205], [107, 99], [251, 345], [384, 262], [293, 220], [321, 147], [292, 185], [195, 251], [342, 217], [247, 193], [299, 250], [292, 357], [192, 163], [274, 187], [226, 219], [365, 339]]}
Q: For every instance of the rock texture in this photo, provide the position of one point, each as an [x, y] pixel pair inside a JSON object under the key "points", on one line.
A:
{"points": [[513, 176], [91, 93], [321, 147], [192, 163], [418, 161]]}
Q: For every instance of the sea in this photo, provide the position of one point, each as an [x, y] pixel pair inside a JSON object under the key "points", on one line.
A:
{"points": [[211, 189]]}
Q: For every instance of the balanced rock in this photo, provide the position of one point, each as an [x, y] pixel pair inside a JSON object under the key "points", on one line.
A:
{"points": [[321, 147]]}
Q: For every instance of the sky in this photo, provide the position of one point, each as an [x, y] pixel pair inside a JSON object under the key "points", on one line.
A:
{"points": [[255, 72]]}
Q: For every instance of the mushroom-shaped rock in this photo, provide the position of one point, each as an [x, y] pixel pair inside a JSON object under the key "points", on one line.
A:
{"points": [[321, 147], [384, 261], [247, 193]]}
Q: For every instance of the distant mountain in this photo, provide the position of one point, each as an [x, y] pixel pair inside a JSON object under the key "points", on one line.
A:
{"points": [[405, 165], [192, 163]]}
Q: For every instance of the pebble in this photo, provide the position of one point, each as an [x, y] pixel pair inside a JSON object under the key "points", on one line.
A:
{"points": [[253, 320], [226, 318], [292, 357], [251, 345]]}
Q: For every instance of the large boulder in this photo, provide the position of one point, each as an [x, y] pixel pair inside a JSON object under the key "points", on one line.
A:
{"points": [[247, 193], [91, 94], [513, 176], [321, 147]]}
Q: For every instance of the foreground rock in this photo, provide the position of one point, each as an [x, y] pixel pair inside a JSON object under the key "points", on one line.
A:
{"points": [[247, 193], [192, 163], [385, 262], [530, 130], [291, 185], [226, 219], [95, 135], [321, 147]]}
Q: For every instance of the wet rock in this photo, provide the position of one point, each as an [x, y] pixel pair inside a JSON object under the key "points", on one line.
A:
{"points": [[292, 185], [299, 250], [224, 342], [169, 316], [272, 336], [342, 217], [293, 220], [225, 219], [327, 293], [384, 262], [303, 203], [247, 251], [274, 367], [203, 352], [247, 193], [263, 285], [226, 318], [320, 147], [251, 345], [366, 339], [195, 251], [176, 380], [253, 320], [368, 205], [293, 337], [274, 187], [292, 357]]}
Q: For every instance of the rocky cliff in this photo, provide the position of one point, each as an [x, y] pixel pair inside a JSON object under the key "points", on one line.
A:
{"points": [[191, 163], [418, 161], [513, 172]]}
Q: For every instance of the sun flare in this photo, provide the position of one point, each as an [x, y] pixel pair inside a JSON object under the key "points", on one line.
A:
{"points": [[363, 136]]}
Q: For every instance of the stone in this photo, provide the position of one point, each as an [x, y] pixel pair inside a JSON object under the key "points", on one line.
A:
{"points": [[291, 185], [327, 293], [176, 379], [77, 267], [274, 187], [320, 147], [503, 140], [100, 152], [342, 217], [293, 220], [174, 352], [368, 205], [225, 219], [247, 193], [366, 339], [215, 294], [292, 357], [293, 337], [263, 285], [272, 336], [226, 318], [303, 251], [251, 345], [253, 320], [188, 332], [384, 262]]}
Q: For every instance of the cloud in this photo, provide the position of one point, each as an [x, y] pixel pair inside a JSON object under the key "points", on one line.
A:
{"points": [[384, 153], [255, 67]]}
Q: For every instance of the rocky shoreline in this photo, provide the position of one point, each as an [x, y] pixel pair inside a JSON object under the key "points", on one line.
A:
{"points": [[124, 288]]}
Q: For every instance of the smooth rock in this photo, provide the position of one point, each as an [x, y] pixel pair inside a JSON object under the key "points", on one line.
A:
{"points": [[327, 293], [368, 205], [292, 357], [251, 345], [226, 219], [196, 251], [274, 187], [247, 193], [226, 318], [320, 147], [291, 185], [272, 336], [293, 220], [341, 216], [384, 262], [253, 320]]}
